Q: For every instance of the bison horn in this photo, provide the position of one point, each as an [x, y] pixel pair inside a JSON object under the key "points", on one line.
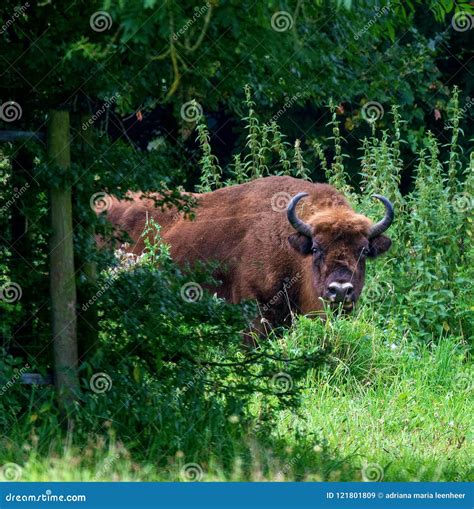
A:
{"points": [[384, 224], [295, 221]]}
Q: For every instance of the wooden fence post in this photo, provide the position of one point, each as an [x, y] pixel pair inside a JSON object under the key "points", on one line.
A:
{"points": [[62, 276]]}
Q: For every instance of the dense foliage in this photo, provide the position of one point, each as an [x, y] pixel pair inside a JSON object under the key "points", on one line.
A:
{"points": [[170, 385], [147, 59], [165, 98]]}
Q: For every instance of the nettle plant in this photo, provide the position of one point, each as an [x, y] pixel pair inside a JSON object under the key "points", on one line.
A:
{"points": [[266, 153], [425, 278]]}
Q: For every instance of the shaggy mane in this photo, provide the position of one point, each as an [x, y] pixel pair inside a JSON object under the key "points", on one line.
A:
{"points": [[339, 220]]}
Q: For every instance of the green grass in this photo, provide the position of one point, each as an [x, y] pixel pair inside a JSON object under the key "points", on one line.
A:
{"points": [[380, 408]]}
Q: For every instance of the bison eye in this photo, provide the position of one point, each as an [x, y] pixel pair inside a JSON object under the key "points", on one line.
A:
{"points": [[365, 251], [315, 249]]}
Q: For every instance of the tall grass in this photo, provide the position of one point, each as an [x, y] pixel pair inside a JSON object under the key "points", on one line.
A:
{"points": [[382, 403]]}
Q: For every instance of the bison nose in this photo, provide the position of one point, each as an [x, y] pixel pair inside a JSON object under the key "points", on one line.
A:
{"points": [[339, 292]]}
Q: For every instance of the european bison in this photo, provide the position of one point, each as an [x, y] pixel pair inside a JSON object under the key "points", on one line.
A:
{"points": [[285, 242]]}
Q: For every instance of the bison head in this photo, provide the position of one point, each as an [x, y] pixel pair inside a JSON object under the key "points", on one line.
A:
{"points": [[338, 241]]}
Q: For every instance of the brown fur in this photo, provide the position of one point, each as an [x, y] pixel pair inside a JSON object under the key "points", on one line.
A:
{"points": [[260, 254]]}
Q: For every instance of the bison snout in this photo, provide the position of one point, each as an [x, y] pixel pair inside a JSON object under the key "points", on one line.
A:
{"points": [[340, 292]]}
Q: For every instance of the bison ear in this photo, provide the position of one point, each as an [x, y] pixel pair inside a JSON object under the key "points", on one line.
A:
{"points": [[378, 245], [300, 243]]}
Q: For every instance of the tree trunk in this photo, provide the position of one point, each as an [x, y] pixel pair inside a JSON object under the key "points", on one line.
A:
{"points": [[62, 277]]}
